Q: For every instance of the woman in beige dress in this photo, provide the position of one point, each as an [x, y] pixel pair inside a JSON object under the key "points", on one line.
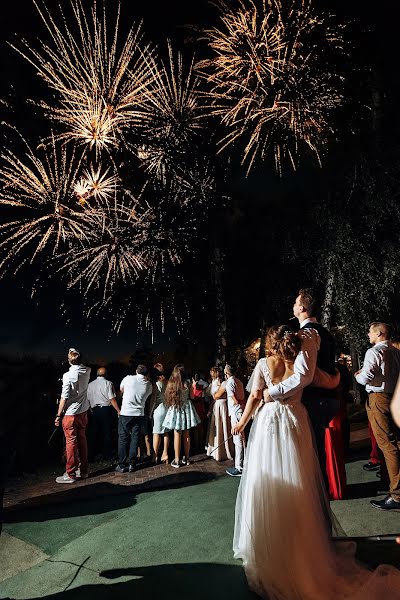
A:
{"points": [[219, 429]]}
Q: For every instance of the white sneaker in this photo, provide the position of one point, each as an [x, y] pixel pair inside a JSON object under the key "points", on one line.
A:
{"points": [[78, 474], [65, 479], [185, 461]]}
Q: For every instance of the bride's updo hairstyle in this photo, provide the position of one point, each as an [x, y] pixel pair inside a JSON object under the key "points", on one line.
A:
{"points": [[289, 345], [273, 339]]}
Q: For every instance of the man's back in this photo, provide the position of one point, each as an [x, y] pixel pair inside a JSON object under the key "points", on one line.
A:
{"points": [[100, 392], [327, 350], [136, 389], [74, 389]]}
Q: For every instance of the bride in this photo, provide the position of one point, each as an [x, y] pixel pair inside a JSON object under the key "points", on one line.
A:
{"points": [[282, 518]]}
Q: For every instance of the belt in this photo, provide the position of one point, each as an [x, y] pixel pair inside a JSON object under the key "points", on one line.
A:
{"points": [[101, 405]]}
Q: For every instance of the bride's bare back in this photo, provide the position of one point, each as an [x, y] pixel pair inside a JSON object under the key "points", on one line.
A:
{"points": [[279, 369]]}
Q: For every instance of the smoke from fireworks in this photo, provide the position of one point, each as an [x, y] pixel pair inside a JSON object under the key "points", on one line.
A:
{"points": [[270, 77]]}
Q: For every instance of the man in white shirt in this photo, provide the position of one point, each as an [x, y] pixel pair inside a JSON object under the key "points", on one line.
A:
{"points": [[236, 400], [101, 396], [135, 391], [379, 374], [73, 410]]}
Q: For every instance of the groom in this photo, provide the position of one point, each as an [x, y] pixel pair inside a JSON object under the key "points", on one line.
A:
{"points": [[317, 349]]}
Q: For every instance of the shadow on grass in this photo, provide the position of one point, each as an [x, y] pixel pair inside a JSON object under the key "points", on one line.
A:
{"points": [[195, 581], [97, 498], [367, 489]]}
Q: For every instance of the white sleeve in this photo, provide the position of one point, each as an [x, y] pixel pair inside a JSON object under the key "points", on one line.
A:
{"points": [[230, 388], [65, 387], [257, 380], [122, 384], [110, 390], [304, 368], [369, 368]]}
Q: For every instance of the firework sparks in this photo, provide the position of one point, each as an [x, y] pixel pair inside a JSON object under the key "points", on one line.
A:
{"points": [[269, 77], [174, 114], [97, 185], [112, 256], [41, 189], [100, 89]]}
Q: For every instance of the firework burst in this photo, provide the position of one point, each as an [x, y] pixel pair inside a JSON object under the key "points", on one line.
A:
{"points": [[112, 257], [97, 185], [41, 188], [100, 84], [270, 77]]}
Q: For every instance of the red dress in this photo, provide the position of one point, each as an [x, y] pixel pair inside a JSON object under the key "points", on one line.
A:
{"points": [[198, 400], [335, 454]]}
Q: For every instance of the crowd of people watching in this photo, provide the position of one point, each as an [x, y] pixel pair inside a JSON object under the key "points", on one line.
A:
{"points": [[152, 410], [163, 417]]}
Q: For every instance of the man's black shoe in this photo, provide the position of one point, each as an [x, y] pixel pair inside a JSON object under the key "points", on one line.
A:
{"points": [[387, 504], [371, 467]]}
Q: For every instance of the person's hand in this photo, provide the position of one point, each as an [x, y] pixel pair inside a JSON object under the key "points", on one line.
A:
{"points": [[235, 402], [357, 372], [57, 421], [238, 428]]}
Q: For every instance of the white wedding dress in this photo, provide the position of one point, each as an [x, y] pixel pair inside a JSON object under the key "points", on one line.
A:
{"points": [[281, 530]]}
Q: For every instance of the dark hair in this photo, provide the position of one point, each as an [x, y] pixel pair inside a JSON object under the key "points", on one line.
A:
{"points": [[283, 341], [142, 370], [175, 386], [384, 328], [196, 377], [308, 301]]}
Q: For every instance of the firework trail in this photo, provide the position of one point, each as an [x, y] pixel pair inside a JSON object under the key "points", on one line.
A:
{"points": [[100, 84], [270, 77]]}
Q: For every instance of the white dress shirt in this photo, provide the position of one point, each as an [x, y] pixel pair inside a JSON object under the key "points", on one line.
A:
{"points": [[136, 389], [74, 389], [100, 392], [304, 366], [234, 387], [381, 368]]}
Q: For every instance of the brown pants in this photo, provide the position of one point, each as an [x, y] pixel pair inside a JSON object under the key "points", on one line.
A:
{"points": [[387, 436]]}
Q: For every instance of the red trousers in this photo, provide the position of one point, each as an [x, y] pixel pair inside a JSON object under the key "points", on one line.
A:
{"points": [[74, 427]]}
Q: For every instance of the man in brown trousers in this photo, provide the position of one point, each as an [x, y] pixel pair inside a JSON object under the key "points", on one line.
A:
{"points": [[379, 374]]}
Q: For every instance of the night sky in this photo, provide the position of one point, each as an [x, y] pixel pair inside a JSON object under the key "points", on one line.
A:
{"points": [[40, 327]]}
